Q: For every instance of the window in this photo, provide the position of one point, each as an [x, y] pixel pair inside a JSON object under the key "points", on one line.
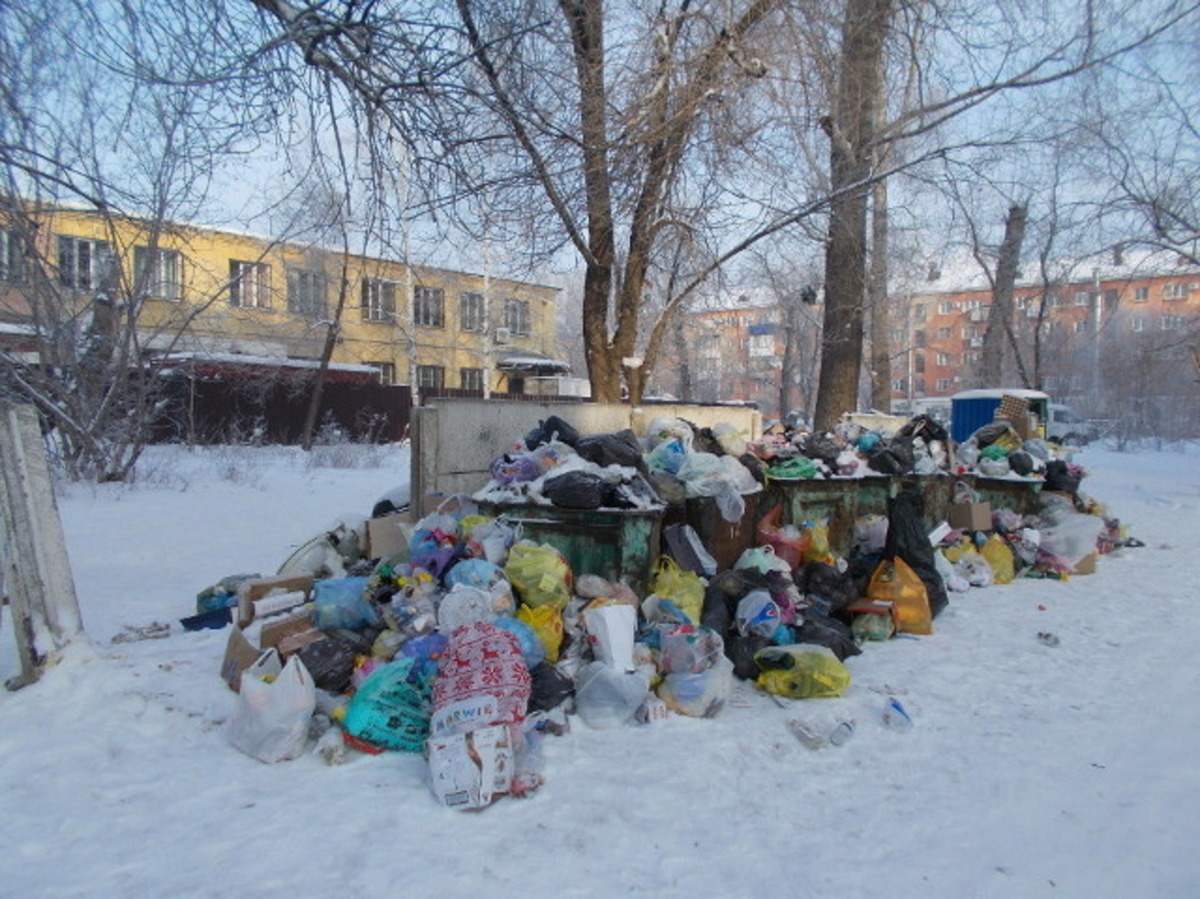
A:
{"points": [[430, 376], [156, 273], [429, 307], [918, 313], [943, 383], [944, 359], [378, 300], [1141, 294], [387, 371], [249, 284], [1082, 297], [946, 307], [945, 333], [761, 345], [900, 385], [470, 312], [471, 379], [1051, 300], [516, 317], [1137, 323], [919, 338], [1177, 291], [80, 261], [972, 305], [919, 363], [1172, 322], [1083, 326], [12, 255], [971, 332], [306, 292], [1111, 298]]}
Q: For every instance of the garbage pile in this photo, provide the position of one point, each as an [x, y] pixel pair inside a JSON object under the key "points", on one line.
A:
{"points": [[459, 637]]}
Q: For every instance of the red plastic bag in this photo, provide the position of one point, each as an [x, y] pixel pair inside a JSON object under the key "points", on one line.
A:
{"points": [[790, 543]]}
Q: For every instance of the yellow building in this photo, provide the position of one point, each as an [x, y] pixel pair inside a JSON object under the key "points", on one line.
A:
{"points": [[206, 292]]}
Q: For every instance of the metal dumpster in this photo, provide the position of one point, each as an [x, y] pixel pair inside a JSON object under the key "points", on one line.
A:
{"points": [[725, 540], [616, 544], [814, 499]]}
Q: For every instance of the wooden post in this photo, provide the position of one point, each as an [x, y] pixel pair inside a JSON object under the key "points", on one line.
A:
{"points": [[37, 572]]}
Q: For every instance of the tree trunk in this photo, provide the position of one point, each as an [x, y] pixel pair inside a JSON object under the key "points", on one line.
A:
{"points": [[991, 369], [331, 335], [850, 129], [881, 324]]}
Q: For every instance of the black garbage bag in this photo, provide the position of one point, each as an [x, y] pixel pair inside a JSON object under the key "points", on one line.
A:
{"points": [[549, 429], [988, 434], [1060, 477], [575, 490], [617, 448], [908, 538], [705, 441], [1020, 462], [827, 589], [757, 467], [741, 649], [823, 446], [829, 632], [549, 686], [925, 427], [718, 609], [896, 456], [633, 493]]}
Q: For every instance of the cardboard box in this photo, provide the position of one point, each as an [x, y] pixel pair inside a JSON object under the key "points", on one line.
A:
{"points": [[240, 654], [970, 516], [469, 770], [1086, 565], [388, 536], [251, 591]]}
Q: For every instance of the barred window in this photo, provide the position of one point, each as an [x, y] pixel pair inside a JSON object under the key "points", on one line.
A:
{"points": [[249, 284], [306, 292], [80, 262], [429, 307], [378, 300], [156, 272]]}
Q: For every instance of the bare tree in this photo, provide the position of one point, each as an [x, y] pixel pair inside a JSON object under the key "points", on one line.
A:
{"points": [[86, 121]]}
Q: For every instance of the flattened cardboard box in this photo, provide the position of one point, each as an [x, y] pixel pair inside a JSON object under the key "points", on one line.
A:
{"points": [[386, 536]]}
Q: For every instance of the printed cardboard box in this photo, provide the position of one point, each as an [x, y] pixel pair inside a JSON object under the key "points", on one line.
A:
{"points": [[468, 771]]}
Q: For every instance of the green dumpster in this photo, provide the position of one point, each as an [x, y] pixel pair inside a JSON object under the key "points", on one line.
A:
{"points": [[616, 544]]}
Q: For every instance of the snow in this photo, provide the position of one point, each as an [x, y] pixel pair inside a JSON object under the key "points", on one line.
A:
{"points": [[1032, 770]]}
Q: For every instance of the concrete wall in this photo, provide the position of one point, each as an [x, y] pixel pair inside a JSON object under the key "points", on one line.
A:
{"points": [[456, 439]]}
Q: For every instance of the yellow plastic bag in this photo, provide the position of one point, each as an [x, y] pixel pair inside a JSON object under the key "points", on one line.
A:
{"points": [[540, 575], [801, 671], [684, 588], [818, 544], [999, 555], [547, 623], [895, 582], [958, 549]]}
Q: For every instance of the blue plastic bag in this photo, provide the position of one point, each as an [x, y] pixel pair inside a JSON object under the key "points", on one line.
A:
{"points": [[342, 603]]}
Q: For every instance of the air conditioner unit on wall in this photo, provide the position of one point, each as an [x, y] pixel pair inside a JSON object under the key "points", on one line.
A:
{"points": [[502, 335]]}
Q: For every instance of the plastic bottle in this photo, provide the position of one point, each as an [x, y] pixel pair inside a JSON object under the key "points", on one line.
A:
{"points": [[895, 716], [843, 732]]}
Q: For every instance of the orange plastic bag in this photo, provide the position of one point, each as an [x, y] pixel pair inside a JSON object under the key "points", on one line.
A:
{"points": [[894, 581]]}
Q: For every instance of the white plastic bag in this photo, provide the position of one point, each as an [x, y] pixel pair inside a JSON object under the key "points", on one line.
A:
{"points": [[274, 707]]}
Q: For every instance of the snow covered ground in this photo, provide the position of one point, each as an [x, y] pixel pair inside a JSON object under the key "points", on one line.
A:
{"points": [[1032, 770]]}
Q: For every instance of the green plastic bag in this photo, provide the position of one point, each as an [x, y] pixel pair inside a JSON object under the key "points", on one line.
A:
{"points": [[801, 671], [540, 574], [793, 469]]}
